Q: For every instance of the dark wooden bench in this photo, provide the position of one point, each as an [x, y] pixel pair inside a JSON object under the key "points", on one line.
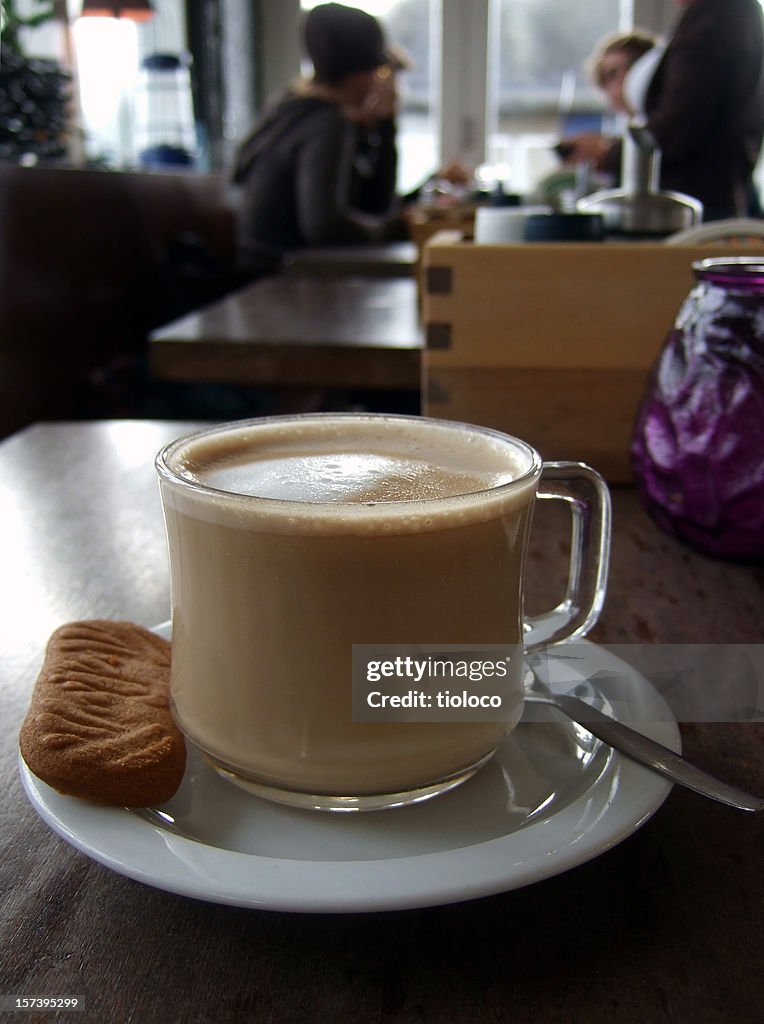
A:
{"points": [[81, 259]]}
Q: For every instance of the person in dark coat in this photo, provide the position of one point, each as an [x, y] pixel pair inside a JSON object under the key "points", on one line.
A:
{"points": [[705, 107], [320, 168]]}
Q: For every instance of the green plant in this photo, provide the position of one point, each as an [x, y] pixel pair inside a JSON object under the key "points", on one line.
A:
{"points": [[34, 92], [12, 22]]}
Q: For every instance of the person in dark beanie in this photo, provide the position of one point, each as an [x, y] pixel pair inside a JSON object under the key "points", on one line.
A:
{"points": [[320, 168], [341, 41]]}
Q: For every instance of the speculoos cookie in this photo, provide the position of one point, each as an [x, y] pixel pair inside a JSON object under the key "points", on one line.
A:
{"points": [[99, 725]]}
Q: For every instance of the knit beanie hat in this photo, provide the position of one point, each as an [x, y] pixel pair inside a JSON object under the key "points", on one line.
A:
{"points": [[342, 40]]}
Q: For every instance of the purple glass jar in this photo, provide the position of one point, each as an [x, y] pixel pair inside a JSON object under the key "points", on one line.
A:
{"points": [[698, 444]]}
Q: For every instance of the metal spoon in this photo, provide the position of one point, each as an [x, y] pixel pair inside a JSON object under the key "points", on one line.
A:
{"points": [[648, 753]]}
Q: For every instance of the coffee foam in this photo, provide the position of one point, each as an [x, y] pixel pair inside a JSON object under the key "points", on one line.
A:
{"points": [[333, 469], [344, 476]]}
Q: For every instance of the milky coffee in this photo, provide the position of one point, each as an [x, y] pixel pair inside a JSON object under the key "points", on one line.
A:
{"points": [[293, 538]]}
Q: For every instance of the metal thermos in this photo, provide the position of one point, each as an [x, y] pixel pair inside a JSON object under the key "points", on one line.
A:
{"points": [[639, 207]]}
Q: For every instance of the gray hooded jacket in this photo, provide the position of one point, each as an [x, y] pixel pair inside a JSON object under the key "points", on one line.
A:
{"points": [[308, 177]]}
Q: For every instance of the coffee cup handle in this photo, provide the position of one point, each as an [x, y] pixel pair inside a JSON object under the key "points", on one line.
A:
{"points": [[588, 498]]}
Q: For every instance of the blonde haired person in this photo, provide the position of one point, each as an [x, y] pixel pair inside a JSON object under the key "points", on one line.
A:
{"points": [[612, 60], [704, 104]]}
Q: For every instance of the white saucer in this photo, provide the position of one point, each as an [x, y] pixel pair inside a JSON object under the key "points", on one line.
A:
{"points": [[552, 798]]}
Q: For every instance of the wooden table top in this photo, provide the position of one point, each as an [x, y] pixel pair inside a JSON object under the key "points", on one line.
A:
{"points": [[299, 331], [665, 927], [393, 259]]}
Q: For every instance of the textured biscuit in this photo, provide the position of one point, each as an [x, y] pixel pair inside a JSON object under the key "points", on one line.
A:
{"points": [[99, 725]]}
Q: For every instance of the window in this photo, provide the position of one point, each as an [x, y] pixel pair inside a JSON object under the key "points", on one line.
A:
{"points": [[107, 65], [108, 54], [538, 86]]}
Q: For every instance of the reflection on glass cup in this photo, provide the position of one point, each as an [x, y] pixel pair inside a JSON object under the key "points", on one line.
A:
{"points": [[294, 538]]}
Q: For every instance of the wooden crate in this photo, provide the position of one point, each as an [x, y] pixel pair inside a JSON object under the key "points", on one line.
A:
{"points": [[424, 223], [551, 342]]}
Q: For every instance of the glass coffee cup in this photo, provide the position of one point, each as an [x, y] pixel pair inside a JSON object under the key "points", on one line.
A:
{"points": [[295, 541]]}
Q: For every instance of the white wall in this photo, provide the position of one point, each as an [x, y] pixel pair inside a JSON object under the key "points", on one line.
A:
{"points": [[280, 45], [655, 15]]}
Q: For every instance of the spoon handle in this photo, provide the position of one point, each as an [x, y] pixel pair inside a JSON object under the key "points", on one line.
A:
{"points": [[650, 753]]}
